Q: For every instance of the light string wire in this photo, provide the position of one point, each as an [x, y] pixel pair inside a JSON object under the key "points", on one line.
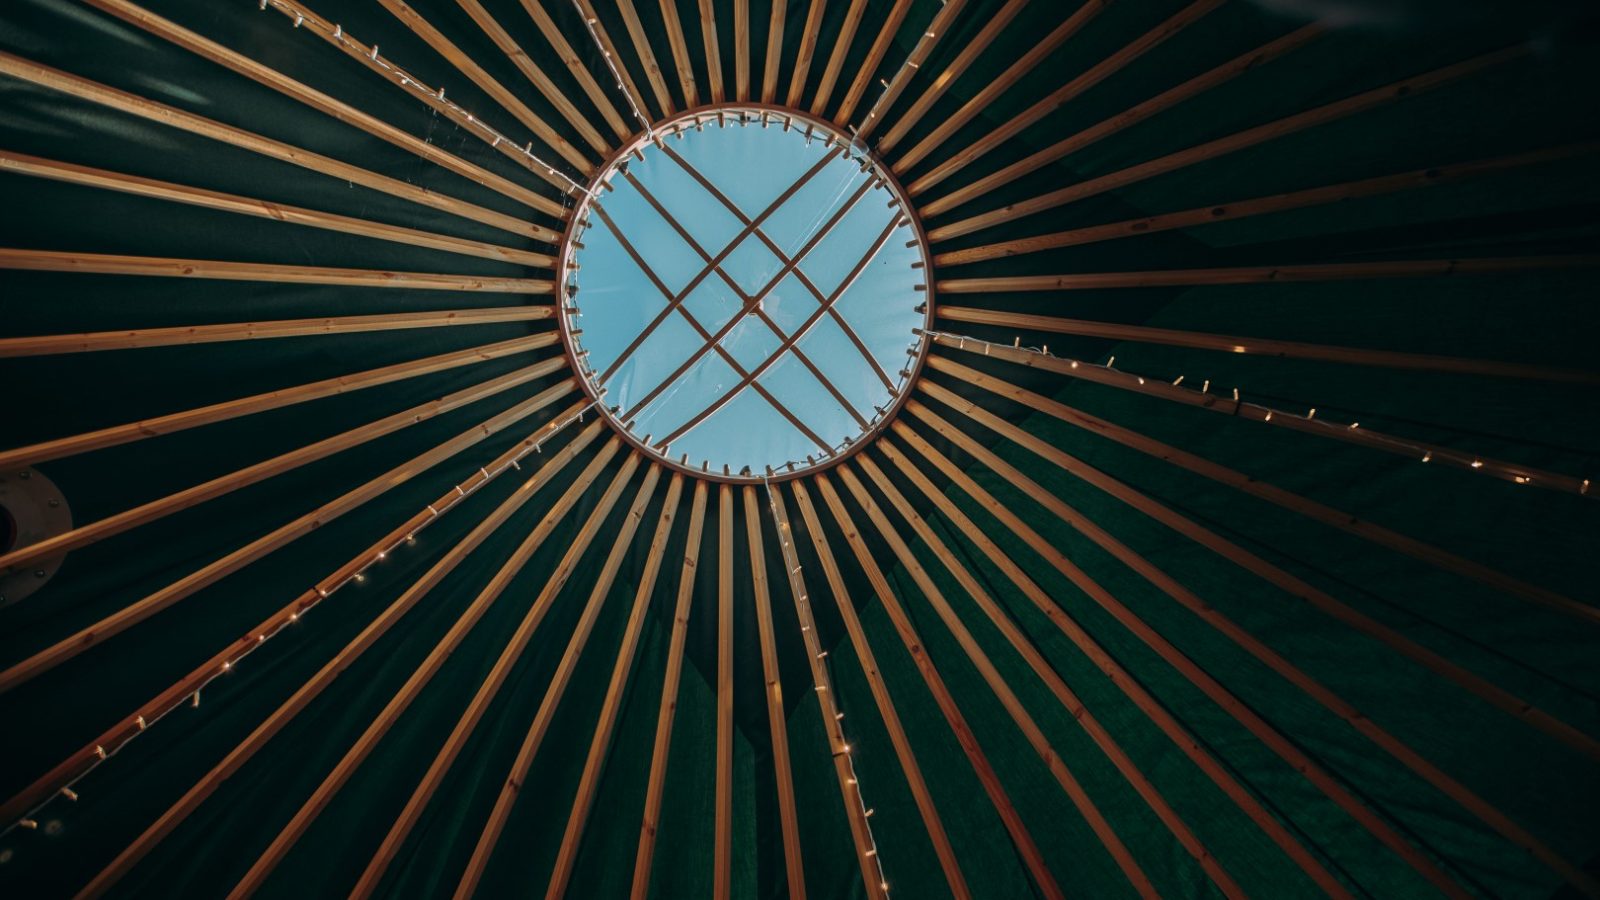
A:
{"points": [[571, 309], [1238, 407], [589, 23], [320, 592], [824, 686], [302, 17], [913, 62]]}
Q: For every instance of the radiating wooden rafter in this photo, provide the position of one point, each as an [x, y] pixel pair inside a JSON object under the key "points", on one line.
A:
{"points": [[495, 679], [1066, 93], [1241, 409], [1087, 808], [995, 23], [1286, 274], [1290, 584], [774, 54], [1123, 120], [722, 799], [535, 75], [167, 267], [575, 65], [180, 691], [139, 610], [1032, 858], [1281, 744], [1256, 206], [901, 77], [1041, 668], [647, 56], [1172, 162], [607, 46], [1312, 509], [805, 53], [793, 862], [89, 176], [681, 61], [562, 677], [996, 86], [144, 514], [1458, 792], [508, 100], [312, 687], [708, 32], [666, 715], [841, 47], [880, 695], [741, 50], [114, 435], [611, 707], [181, 335], [869, 67], [1181, 737], [394, 710], [1250, 346], [132, 104], [827, 705]]}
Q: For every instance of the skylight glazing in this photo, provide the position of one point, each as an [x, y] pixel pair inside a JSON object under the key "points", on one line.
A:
{"points": [[746, 293]]}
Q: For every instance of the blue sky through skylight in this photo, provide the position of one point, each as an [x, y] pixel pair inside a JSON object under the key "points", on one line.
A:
{"points": [[753, 166]]}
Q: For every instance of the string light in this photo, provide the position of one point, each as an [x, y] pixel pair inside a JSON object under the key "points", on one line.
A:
{"points": [[1309, 422], [825, 696], [589, 23], [321, 591], [432, 96]]}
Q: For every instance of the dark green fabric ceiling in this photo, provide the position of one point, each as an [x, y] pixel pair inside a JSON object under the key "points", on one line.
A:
{"points": [[1543, 537]]}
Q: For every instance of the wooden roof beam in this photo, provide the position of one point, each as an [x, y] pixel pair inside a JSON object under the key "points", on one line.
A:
{"points": [[805, 53], [171, 116], [667, 713], [466, 65], [1334, 518], [313, 686], [169, 267], [1021, 838], [403, 823], [1123, 120], [673, 26], [722, 842], [986, 96], [1181, 737], [995, 23], [100, 529], [88, 176], [869, 67], [562, 677], [1286, 748], [841, 49], [1428, 659], [794, 864], [32, 454], [128, 616], [574, 63], [535, 75], [1239, 140], [1061, 96], [1226, 343], [850, 794]]}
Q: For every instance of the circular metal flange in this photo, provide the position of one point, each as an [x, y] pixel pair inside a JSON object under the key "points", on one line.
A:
{"points": [[32, 509], [590, 224]]}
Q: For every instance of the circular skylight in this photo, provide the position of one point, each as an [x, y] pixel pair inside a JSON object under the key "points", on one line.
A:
{"points": [[745, 293]]}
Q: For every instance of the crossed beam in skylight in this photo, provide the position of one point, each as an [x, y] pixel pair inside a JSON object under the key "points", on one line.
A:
{"points": [[751, 303]]}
